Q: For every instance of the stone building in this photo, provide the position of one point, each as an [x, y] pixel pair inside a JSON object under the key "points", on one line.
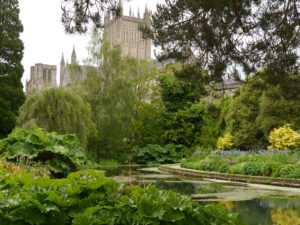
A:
{"points": [[229, 86], [42, 76], [70, 73], [124, 30]]}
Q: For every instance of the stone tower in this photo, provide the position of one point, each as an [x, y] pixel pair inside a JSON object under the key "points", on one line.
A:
{"points": [[124, 31], [42, 76]]}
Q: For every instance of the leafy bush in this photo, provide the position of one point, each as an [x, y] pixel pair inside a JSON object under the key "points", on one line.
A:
{"points": [[87, 198], [251, 168], [226, 142], [171, 153], [283, 138], [237, 168], [224, 168], [295, 174], [191, 165], [185, 126], [61, 153], [287, 170], [261, 163], [270, 168]]}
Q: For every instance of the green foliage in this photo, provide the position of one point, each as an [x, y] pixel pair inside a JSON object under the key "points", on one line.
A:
{"points": [[11, 69], [273, 164], [170, 153], [270, 168], [185, 125], [284, 138], [145, 132], [241, 116], [219, 34], [209, 163], [278, 108], [237, 168], [252, 168], [87, 198], [175, 93], [224, 168], [61, 153], [258, 107], [116, 90], [287, 171], [59, 110], [225, 142]]}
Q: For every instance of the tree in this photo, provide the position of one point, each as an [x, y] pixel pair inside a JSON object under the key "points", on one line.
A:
{"points": [[11, 69], [242, 114], [59, 110], [275, 110], [110, 92], [258, 107], [77, 14], [224, 35]]}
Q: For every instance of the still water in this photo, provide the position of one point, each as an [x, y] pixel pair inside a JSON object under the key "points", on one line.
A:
{"points": [[256, 204]]}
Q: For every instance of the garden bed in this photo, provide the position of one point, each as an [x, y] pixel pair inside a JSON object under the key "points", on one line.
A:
{"points": [[176, 169]]}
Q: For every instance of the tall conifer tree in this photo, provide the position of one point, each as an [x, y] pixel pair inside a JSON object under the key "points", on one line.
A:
{"points": [[11, 69]]}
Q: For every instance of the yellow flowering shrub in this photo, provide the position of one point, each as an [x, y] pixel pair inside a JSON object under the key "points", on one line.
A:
{"points": [[226, 142], [11, 168], [283, 138]]}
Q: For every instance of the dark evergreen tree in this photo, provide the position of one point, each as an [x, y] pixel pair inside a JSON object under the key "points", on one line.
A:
{"points": [[78, 13], [11, 69], [228, 34]]}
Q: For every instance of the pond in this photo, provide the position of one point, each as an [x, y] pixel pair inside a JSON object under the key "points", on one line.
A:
{"points": [[256, 204]]}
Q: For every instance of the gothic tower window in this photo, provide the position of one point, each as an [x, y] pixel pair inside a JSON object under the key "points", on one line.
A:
{"points": [[49, 76], [44, 76]]}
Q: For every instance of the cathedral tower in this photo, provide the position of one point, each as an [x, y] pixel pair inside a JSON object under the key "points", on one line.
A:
{"points": [[124, 30], [42, 76]]}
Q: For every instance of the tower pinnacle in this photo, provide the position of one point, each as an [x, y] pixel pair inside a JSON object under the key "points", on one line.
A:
{"points": [[62, 61], [120, 6], [73, 56]]}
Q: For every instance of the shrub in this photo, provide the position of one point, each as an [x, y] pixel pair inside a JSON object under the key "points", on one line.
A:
{"points": [[237, 168], [171, 153], [283, 138], [224, 168], [270, 168], [251, 168], [61, 153], [226, 142], [87, 197], [287, 170], [207, 165], [295, 174], [191, 165]]}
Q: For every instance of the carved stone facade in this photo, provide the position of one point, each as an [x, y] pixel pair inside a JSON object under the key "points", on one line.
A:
{"points": [[42, 76], [124, 31]]}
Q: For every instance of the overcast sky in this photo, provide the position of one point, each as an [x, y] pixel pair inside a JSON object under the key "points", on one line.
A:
{"points": [[45, 39]]}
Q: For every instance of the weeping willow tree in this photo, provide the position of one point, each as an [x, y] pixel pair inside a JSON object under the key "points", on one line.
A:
{"points": [[59, 110]]}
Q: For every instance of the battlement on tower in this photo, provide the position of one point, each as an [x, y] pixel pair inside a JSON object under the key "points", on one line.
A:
{"points": [[124, 31]]}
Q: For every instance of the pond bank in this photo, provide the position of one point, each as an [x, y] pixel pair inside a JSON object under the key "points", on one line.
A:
{"points": [[177, 170]]}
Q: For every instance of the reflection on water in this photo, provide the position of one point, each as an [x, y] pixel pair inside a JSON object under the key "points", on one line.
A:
{"points": [[268, 210]]}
